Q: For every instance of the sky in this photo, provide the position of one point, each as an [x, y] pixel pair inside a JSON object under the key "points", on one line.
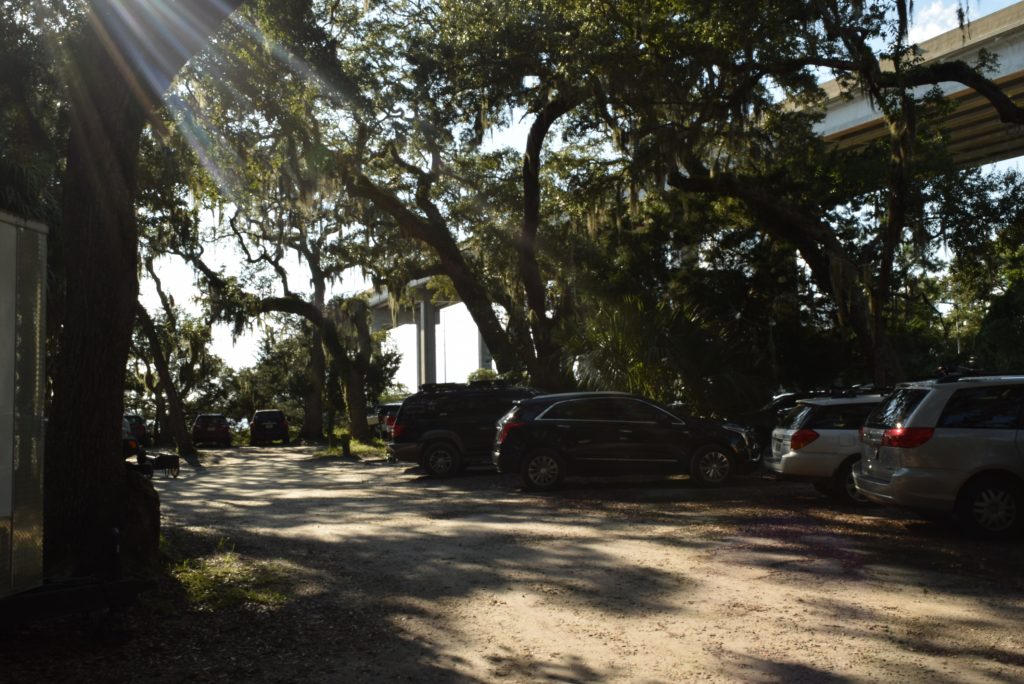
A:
{"points": [[456, 335]]}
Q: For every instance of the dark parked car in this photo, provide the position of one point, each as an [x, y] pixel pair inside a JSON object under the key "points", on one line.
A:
{"points": [[268, 425], [446, 427], [546, 438], [211, 428], [138, 428]]}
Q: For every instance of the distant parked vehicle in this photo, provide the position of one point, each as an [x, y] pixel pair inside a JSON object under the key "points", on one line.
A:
{"points": [[130, 445], [138, 428], [447, 426], [211, 428], [766, 418], [383, 418], [818, 441], [267, 426], [550, 437], [953, 445]]}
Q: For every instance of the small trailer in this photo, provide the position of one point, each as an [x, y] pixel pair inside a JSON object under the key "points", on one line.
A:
{"points": [[22, 381]]}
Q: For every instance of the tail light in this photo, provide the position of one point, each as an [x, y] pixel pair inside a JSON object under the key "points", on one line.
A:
{"points": [[389, 425], [396, 430], [508, 427], [802, 438], [906, 438]]}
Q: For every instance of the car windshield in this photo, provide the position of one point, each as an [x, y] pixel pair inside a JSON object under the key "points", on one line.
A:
{"points": [[895, 410]]}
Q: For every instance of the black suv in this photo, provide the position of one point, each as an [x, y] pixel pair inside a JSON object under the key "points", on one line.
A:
{"points": [[267, 426], [546, 438], [445, 427]]}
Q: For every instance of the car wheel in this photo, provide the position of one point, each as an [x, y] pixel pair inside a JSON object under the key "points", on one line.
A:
{"points": [[992, 508], [843, 488], [711, 466], [542, 470], [441, 459]]}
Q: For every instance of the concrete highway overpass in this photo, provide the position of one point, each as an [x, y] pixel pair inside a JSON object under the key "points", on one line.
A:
{"points": [[977, 136]]}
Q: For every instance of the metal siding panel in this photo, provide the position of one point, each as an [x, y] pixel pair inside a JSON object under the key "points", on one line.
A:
{"points": [[8, 242], [30, 305]]}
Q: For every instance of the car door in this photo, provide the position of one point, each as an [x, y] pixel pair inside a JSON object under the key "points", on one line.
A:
{"points": [[979, 429], [648, 438], [586, 433]]}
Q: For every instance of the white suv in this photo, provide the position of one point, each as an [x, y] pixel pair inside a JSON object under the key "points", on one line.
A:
{"points": [[952, 445], [818, 441]]}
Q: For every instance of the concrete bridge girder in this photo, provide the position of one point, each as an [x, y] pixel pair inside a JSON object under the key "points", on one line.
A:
{"points": [[977, 136]]}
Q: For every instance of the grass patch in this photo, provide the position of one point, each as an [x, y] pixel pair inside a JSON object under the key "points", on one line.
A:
{"points": [[359, 450], [226, 580]]}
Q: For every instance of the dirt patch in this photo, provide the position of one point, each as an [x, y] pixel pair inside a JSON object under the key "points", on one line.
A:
{"points": [[391, 576]]}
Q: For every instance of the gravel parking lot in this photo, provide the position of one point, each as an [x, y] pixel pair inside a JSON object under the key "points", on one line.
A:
{"points": [[391, 576]]}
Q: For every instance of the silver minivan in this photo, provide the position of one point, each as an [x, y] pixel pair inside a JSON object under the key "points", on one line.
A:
{"points": [[818, 441], [952, 445]]}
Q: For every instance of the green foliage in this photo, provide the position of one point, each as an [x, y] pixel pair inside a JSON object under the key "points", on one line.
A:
{"points": [[279, 379], [225, 580], [482, 374]]}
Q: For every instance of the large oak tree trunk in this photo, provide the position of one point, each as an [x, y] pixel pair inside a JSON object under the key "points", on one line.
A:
{"points": [[86, 476], [123, 60]]}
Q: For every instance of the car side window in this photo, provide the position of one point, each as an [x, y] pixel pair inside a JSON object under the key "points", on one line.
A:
{"points": [[996, 407], [581, 409], [631, 410]]}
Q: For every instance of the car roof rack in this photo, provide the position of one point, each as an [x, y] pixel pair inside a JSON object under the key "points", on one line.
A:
{"points": [[441, 387]]}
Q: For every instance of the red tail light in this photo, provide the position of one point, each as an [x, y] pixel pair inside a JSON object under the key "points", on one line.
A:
{"points": [[396, 430], [802, 438], [906, 438], [508, 427], [389, 421]]}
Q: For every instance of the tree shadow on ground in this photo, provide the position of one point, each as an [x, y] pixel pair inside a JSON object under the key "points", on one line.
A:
{"points": [[368, 599]]}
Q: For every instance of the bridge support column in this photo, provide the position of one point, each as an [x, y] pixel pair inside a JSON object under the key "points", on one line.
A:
{"points": [[426, 341]]}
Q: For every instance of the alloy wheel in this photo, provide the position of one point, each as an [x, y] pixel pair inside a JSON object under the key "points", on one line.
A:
{"points": [[994, 509], [543, 470], [713, 466]]}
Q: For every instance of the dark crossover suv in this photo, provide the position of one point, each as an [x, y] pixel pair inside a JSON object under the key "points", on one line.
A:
{"points": [[211, 428], [445, 427], [549, 437], [268, 426]]}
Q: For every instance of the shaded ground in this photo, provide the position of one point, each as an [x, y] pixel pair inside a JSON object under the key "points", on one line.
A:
{"points": [[390, 576]]}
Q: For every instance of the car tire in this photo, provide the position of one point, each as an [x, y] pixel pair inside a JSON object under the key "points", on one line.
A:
{"points": [[843, 489], [711, 466], [441, 459], [991, 507], [543, 470]]}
